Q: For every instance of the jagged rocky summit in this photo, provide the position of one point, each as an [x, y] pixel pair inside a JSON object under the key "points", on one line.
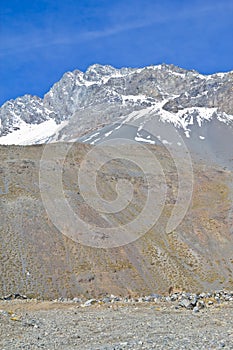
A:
{"points": [[99, 104], [176, 95]]}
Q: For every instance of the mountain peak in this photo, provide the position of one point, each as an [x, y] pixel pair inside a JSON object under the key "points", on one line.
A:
{"points": [[103, 95], [100, 69]]}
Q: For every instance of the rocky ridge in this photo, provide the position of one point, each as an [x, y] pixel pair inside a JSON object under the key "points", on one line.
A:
{"points": [[176, 95]]}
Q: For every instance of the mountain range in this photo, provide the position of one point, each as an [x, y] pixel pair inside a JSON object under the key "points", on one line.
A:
{"points": [[102, 103], [182, 118]]}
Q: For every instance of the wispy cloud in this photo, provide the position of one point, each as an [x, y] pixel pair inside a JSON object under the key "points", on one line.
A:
{"points": [[36, 38], [41, 40]]}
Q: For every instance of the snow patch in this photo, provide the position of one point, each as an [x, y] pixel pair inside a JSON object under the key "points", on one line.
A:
{"points": [[30, 134], [91, 137], [141, 139], [108, 133], [165, 142]]}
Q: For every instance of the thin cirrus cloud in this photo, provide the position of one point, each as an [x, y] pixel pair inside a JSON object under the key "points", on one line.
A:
{"points": [[36, 38], [39, 43]]}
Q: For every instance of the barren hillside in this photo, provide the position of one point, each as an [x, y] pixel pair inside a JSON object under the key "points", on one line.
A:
{"points": [[38, 260]]}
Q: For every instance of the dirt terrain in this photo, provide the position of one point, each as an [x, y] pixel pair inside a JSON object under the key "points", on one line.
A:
{"points": [[48, 325]]}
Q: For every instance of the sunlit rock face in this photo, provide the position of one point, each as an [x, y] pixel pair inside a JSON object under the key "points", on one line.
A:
{"points": [[83, 101]]}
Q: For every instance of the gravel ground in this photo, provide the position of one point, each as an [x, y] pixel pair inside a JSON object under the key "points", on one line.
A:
{"points": [[65, 326]]}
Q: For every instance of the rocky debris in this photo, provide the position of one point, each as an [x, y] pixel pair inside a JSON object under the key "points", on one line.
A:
{"points": [[10, 315], [190, 301], [181, 299], [5, 313], [14, 296], [132, 325], [32, 323], [89, 302]]}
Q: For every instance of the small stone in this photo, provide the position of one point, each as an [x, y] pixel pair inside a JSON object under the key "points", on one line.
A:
{"points": [[196, 309], [20, 296], [185, 303], [15, 318], [90, 302], [201, 304], [106, 300], [174, 297], [116, 299], [77, 300], [194, 301], [202, 295], [4, 313], [31, 323], [149, 298]]}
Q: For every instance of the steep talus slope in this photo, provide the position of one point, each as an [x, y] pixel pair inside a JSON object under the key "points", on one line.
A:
{"points": [[38, 260]]}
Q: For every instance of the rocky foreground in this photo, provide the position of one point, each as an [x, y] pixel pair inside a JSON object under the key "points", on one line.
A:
{"points": [[178, 321]]}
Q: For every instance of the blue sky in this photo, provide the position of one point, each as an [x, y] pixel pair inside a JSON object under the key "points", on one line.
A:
{"points": [[40, 40]]}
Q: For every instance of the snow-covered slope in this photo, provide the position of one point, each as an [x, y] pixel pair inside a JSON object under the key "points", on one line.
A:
{"points": [[29, 134], [83, 102]]}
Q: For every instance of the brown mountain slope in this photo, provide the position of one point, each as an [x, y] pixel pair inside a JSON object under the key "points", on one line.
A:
{"points": [[38, 260]]}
